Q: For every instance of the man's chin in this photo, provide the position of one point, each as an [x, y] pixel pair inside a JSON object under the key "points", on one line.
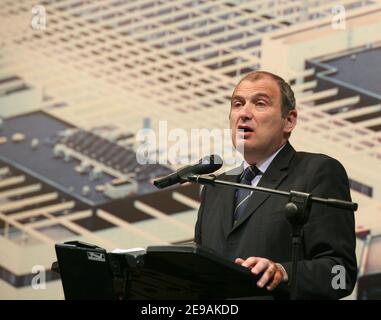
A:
{"points": [[245, 147]]}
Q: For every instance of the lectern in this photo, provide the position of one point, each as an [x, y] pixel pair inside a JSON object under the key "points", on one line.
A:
{"points": [[159, 272]]}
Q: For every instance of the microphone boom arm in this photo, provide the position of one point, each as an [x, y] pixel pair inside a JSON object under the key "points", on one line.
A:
{"points": [[211, 180]]}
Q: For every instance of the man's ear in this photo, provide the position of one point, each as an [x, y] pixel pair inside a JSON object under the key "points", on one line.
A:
{"points": [[290, 121]]}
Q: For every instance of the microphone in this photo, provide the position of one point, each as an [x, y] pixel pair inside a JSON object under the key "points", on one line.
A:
{"points": [[207, 164]]}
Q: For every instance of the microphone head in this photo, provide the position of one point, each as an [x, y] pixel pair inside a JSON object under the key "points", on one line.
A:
{"points": [[206, 165]]}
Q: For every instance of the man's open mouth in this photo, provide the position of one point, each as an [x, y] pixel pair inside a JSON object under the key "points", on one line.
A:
{"points": [[245, 129]]}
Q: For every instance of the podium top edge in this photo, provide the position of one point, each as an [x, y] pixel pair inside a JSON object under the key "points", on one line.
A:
{"points": [[189, 248]]}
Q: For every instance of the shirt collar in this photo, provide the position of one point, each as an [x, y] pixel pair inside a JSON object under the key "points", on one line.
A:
{"points": [[263, 165]]}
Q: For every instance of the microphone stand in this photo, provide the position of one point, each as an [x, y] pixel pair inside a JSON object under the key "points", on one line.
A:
{"points": [[296, 212]]}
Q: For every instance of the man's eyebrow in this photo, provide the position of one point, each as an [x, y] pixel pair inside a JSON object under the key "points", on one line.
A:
{"points": [[256, 96], [237, 97], [262, 95]]}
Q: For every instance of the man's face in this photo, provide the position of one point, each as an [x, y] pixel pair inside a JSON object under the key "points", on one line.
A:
{"points": [[256, 120]]}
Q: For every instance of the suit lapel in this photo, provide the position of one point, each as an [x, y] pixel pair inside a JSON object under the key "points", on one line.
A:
{"points": [[272, 178]]}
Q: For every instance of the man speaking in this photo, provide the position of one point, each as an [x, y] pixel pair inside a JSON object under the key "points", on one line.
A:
{"points": [[250, 228]]}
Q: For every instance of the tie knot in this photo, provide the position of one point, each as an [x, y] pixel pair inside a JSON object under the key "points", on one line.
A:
{"points": [[249, 174]]}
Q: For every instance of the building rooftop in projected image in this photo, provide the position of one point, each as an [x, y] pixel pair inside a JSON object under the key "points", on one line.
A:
{"points": [[63, 175], [361, 69]]}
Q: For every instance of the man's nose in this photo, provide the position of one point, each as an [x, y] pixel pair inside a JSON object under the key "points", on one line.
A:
{"points": [[245, 112]]}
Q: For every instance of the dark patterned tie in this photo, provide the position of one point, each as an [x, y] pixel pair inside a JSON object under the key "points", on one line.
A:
{"points": [[242, 195]]}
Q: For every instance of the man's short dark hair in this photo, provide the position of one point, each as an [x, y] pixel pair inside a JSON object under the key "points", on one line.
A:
{"points": [[287, 95]]}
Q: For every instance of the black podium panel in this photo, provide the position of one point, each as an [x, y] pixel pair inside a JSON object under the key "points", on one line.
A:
{"points": [[161, 272], [85, 271], [191, 272]]}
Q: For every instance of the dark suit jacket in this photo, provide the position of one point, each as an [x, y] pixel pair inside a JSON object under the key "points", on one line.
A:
{"points": [[263, 231]]}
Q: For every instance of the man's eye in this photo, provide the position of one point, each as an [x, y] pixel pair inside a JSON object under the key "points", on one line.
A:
{"points": [[261, 103], [237, 104]]}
